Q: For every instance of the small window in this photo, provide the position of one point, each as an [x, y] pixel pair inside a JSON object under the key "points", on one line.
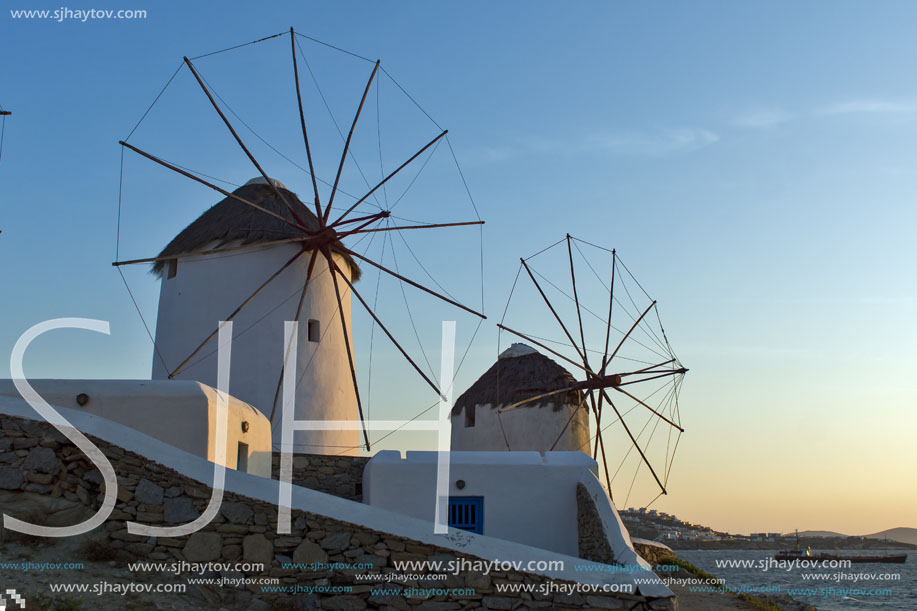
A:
{"points": [[242, 457], [314, 334], [469, 415], [171, 268], [467, 513]]}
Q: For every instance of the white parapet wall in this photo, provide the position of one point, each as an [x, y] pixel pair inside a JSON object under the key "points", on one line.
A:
{"points": [[527, 497], [531, 427], [180, 413]]}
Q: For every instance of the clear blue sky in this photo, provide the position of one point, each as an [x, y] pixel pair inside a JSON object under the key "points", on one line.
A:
{"points": [[753, 164]]}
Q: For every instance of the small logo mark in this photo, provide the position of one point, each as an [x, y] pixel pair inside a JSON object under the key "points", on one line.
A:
{"points": [[16, 598]]}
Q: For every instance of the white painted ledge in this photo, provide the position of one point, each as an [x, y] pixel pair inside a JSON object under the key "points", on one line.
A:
{"points": [[181, 413]]}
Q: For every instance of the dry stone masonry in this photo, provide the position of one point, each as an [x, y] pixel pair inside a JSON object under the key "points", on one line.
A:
{"points": [[592, 538], [338, 475]]}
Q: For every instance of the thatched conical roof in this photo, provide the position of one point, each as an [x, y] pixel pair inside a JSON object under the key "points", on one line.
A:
{"points": [[520, 373], [232, 221]]}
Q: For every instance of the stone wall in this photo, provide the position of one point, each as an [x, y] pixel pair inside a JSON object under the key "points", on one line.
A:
{"points": [[36, 462], [654, 554], [593, 540], [338, 475]]}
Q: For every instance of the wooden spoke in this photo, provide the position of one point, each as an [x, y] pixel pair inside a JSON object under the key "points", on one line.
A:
{"points": [[353, 370], [386, 331], [554, 312], [647, 368], [411, 282], [242, 144], [337, 178], [596, 409], [598, 429], [573, 413], [672, 372], [611, 300], [541, 345], [629, 331], [302, 301], [168, 165], [620, 390], [579, 314], [636, 445], [361, 227], [378, 215], [535, 398], [215, 251], [594, 383], [386, 179], [235, 312], [611, 495], [600, 441], [302, 122], [399, 228], [651, 372]]}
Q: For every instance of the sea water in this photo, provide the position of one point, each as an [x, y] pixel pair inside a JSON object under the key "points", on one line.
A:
{"points": [[828, 587]]}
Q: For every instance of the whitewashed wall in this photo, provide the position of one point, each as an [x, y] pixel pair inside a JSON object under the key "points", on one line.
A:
{"points": [[179, 413], [528, 497], [207, 289], [526, 428]]}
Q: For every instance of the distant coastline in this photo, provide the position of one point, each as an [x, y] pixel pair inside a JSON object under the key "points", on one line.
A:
{"points": [[680, 535], [816, 543]]}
